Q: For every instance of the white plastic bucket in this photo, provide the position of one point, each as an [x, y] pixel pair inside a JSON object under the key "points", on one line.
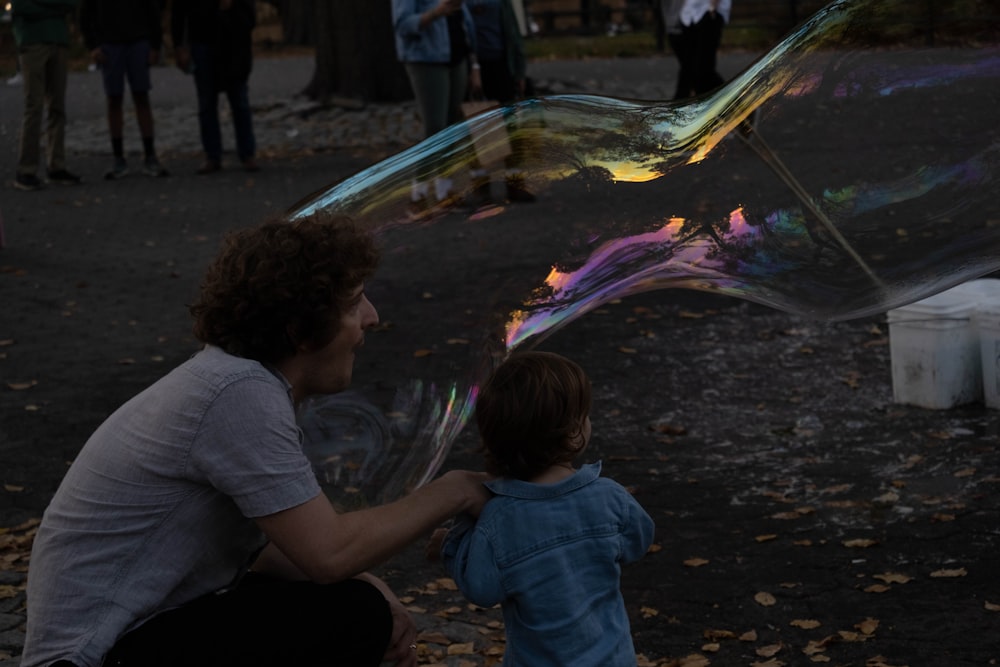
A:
{"points": [[935, 351], [987, 318]]}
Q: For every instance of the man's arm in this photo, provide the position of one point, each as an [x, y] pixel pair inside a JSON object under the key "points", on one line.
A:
{"points": [[327, 547]]}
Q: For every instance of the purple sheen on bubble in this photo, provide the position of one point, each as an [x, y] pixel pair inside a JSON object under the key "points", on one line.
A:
{"points": [[851, 170]]}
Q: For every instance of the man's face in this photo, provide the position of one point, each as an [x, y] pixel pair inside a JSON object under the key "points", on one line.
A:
{"points": [[328, 369]]}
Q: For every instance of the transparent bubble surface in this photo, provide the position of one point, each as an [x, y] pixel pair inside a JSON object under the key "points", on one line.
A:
{"points": [[853, 169]]}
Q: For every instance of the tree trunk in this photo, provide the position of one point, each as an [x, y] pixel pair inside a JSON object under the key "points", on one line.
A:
{"points": [[356, 54], [297, 24]]}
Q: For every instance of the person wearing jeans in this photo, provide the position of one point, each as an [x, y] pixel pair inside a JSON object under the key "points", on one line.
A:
{"points": [[212, 41]]}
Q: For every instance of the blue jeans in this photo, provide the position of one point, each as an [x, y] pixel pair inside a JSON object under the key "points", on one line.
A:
{"points": [[208, 107]]}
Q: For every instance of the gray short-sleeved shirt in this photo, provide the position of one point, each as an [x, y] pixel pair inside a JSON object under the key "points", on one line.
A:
{"points": [[157, 509]]}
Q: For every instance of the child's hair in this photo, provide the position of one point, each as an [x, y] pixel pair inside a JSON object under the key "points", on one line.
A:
{"points": [[531, 412]]}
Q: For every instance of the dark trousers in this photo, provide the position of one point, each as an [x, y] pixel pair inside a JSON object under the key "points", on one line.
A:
{"points": [[265, 621], [696, 47], [208, 86]]}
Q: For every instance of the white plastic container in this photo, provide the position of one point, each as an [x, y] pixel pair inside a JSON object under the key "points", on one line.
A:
{"points": [[935, 351], [987, 319]]}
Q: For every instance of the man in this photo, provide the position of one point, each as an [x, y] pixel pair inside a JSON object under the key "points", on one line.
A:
{"points": [[41, 31], [213, 41], [124, 39], [191, 529]]}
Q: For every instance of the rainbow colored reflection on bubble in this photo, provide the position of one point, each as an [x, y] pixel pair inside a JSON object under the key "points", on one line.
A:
{"points": [[851, 170]]}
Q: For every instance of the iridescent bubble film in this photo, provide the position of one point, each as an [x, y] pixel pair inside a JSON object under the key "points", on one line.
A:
{"points": [[849, 171]]}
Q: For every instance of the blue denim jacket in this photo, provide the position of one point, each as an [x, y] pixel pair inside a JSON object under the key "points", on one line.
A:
{"points": [[551, 555], [425, 45]]}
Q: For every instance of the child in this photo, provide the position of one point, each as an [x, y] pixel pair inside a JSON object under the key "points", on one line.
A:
{"points": [[549, 547]]}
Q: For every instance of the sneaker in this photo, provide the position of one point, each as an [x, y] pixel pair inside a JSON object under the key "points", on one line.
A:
{"points": [[152, 167], [118, 170], [63, 177], [27, 182], [16, 80]]}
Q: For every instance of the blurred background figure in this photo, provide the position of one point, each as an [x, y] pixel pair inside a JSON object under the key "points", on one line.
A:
{"points": [[213, 41], [124, 39], [694, 31], [41, 32], [435, 41], [500, 53]]}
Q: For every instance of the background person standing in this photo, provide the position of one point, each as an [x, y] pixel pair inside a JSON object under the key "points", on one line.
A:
{"points": [[124, 39], [213, 40], [694, 31], [41, 31]]}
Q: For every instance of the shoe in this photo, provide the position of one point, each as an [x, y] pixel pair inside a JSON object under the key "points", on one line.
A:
{"points": [[250, 165], [27, 182], [118, 170], [209, 167], [16, 80], [63, 177], [152, 167]]}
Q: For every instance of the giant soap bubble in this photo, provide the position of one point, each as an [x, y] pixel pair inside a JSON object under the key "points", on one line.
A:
{"points": [[851, 170]]}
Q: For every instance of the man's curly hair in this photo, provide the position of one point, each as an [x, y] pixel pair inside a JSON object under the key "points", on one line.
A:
{"points": [[281, 284], [530, 414]]}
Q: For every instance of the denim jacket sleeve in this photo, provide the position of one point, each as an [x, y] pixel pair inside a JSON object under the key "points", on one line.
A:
{"points": [[468, 557], [637, 533]]}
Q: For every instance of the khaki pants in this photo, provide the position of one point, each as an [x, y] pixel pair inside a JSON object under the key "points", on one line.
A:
{"points": [[44, 69]]}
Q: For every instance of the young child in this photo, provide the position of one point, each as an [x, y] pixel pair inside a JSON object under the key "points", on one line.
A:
{"points": [[549, 547]]}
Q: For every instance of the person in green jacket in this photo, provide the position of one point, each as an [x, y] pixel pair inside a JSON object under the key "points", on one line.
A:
{"points": [[41, 31]]}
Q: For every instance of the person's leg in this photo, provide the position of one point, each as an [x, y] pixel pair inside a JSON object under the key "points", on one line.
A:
{"points": [[208, 106], [680, 44], [32, 60], [55, 92], [246, 143], [430, 88], [263, 622], [707, 36]]}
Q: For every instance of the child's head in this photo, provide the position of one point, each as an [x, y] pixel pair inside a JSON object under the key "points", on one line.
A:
{"points": [[532, 414]]}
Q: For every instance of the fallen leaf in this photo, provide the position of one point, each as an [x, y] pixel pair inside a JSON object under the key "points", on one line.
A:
{"points": [[989, 606], [959, 572], [712, 647], [695, 562], [648, 612], [712, 634], [860, 543], [965, 472], [627, 350], [461, 649], [765, 538], [21, 386], [422, 353], [769, 651], [748, 636], [764, 599], [867, 626], [892, 578], [13, 488], [805, 624], [877, 588]]}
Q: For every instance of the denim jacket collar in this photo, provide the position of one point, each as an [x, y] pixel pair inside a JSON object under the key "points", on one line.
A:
{"points": [[517, 488]]}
